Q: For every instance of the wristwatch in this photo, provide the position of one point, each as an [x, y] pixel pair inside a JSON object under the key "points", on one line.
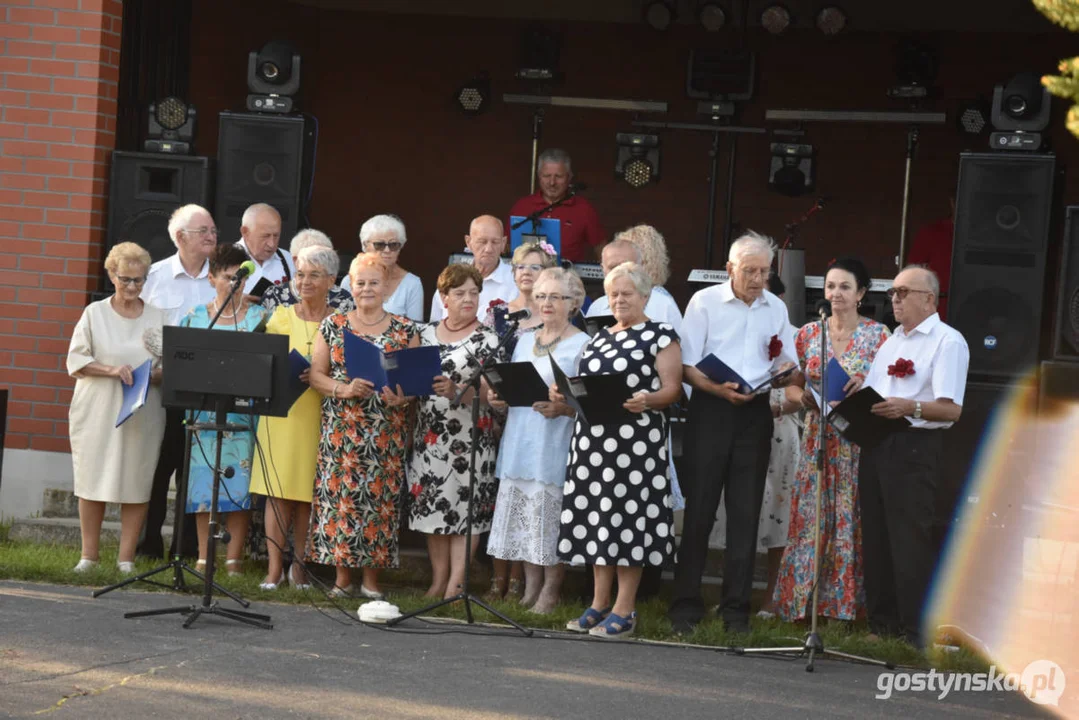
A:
{"points": [[917, 410]]}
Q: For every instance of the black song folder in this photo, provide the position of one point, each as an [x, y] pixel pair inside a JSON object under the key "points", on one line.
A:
{"points": [[856, 422], [518, 384], [596, 398]]}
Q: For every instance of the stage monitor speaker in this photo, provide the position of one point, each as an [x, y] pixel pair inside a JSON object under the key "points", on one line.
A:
{"points": [[1002, 220], [1066, 322], [262, 159], [144, 190]]}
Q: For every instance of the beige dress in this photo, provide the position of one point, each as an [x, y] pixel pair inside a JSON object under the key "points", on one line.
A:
{"points": [[112, 464]]}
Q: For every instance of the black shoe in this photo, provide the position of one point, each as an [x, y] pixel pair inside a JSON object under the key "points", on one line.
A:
{"points": [[685, 615], [737, 624]]}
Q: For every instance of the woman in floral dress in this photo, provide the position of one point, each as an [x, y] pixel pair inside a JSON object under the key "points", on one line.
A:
{"points": [[361, 454], [439, 471], [842, 594]]}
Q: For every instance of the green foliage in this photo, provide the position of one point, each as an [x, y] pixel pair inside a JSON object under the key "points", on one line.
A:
{"points": [[1066, 85]]}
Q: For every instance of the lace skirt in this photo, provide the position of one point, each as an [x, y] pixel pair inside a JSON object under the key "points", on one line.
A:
{"points": [[526, 520]]}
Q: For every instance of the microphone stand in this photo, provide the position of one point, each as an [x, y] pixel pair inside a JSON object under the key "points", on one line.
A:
{"points": [[814, 645], [534, 218], [464, 595]]}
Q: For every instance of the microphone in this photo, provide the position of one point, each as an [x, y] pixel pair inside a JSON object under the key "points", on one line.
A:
{"points": [[516, 317], [824, 308], [245, 269]]}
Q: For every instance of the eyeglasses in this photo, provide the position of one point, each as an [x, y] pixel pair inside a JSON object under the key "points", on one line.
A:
{"points": [[754, 272], [130, 280], [380, 246], [201, 231], [544, 297], [533, 267], [902, 292]]}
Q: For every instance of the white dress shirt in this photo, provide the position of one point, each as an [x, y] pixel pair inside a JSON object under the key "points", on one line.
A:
{"points": [[169, 287], [941, 358], [717, 322], [499, 285], [660, 307], [273, 269]]}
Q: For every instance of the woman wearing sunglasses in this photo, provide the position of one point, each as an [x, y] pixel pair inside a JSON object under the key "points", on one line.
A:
{"points": [[384, 235]]}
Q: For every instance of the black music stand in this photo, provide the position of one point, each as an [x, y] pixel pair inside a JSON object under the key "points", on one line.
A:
{"points": [[465, 595], [237, 372]]}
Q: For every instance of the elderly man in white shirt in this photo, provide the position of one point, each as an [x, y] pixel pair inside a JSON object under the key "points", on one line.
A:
{"points": [[921, 371], [729, 434], [660, 307], [177, 284], [486, 239], [261, 231]]}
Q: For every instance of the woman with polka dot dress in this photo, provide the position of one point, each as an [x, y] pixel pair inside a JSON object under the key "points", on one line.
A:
{"points": [[616, 502]]}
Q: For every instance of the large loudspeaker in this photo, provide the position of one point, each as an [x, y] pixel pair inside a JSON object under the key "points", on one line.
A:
{"points": [[1003, 210], [262, 159], [145, 188], [1066, 324]]}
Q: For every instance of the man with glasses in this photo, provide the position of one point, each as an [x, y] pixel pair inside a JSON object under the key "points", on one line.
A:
{"points": [[729, 432], [177, 284], [921, 372], [486, 240]]}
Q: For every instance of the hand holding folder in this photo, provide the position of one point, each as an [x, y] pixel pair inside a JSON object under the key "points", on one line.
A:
{"points": [[597, 399], [414, 369], [517, 384], [720, 372], [134, 394], [854, 419]]}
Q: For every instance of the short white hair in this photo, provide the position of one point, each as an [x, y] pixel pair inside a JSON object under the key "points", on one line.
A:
{"points": [[621, 243], [752, 244], [181, 218], [253, 211], [308, 238], [320, 256], [570, 282], [640, 278], [931, 278], [380, 224]]}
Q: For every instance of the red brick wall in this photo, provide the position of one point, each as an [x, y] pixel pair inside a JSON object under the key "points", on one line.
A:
{"points": [[59, 67]]}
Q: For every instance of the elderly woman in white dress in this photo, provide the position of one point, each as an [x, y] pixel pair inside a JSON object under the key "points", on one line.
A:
{"points": [[531, 459], [385, 236], [114, 464]]}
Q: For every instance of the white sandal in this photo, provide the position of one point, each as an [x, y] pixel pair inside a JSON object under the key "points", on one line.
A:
{"points": [[274, 585], [85, 565]]}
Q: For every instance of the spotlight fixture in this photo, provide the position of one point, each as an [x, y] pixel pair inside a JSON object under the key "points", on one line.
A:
{"points": [[831, 20], [171, 127], [792, 171], [638, 158], [273, 77], [1020, 113], [972, 116], [474, 97], [711, 15], [775, 19], [659, 14]]}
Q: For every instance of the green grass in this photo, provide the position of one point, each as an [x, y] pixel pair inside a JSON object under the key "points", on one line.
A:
{"points": [[51, 563]]}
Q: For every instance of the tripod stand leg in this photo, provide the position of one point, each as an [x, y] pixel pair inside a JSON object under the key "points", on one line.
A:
{"points": [[176, 610], [133, 579], [469, 599]]}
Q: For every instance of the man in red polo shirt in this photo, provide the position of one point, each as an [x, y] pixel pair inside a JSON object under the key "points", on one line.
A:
{"points": [[581, 232], [932, 247]]}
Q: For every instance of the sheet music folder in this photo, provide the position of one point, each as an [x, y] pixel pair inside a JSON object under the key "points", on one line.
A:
{"points": [[134, 394], [720, 372], [596, 398], [414, 369], [518, 384], [856, 422]]}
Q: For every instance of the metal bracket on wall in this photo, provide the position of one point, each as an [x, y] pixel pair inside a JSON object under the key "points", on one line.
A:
{"points": [[587, 103]]}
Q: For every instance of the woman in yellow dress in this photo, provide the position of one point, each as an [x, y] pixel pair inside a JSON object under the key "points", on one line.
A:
{"points": [[285, 469]]}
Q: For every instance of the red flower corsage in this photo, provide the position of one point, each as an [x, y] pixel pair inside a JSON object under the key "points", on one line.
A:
{"points": [[484, 423], [430, 438], [415, 490], [901, 368], [495, 303], [775, 345]]}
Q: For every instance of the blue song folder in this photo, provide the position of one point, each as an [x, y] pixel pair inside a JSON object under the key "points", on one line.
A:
{"points": [[837, 378], [414, 369], [547, 229], [135, 393], [720, 372], [297, 363]]}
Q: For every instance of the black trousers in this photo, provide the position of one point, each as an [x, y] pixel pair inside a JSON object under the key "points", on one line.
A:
{"points": [[897, 483], [171, 459], [726, 453]]}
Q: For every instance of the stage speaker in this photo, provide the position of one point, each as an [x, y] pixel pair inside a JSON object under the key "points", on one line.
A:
{"points": [[262, 159], [1066, 322], [1003, 209], [145, 188]]}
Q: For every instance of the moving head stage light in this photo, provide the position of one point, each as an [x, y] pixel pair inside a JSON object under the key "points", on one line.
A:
{"points": [[273, 77]]}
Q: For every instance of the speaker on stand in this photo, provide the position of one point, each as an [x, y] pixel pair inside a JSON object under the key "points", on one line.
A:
{"points": [[1066, 320]]}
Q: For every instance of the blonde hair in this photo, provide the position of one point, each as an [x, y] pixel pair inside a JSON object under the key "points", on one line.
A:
{"points": [[640, 278], [366, 260], [570, 282], [652, 249], [129, 253], [525, 249]]}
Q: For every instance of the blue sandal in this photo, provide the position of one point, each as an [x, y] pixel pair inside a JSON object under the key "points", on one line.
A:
{"points": [[590, 619], [615, 626]]}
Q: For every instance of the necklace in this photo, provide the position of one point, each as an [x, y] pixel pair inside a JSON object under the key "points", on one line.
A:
{"points": [[370, 324], [223, 314], [468, 324], [540, 349], [310, 335]]}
